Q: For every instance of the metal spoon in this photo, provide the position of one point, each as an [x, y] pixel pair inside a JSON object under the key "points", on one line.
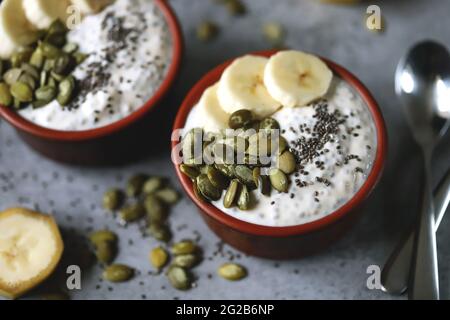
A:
{"points": [[394, 277], [422, 83]]}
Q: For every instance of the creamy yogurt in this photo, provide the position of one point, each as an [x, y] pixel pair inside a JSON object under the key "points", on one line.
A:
{"points": [[130, 47], [334, 173]]}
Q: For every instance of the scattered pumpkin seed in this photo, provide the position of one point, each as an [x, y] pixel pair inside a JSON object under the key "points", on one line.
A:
{"points": [[235, 7], [105, 252], [37, 58], [278, 180], [187, 261], [39, 104], [230, 195], [207, 31], [132, 212], [184, 247], [22, 92], [43, 78], [240, 118], [179, 278], [243, 200], [197, 192], [158, 257], [155, 209], [217, 178], [273, 32], [20, 57], [226, 169], [191, 172], [262, 182], [167, 195], [70, 47], [49, 51], [135, 185], [282, 145], [56, 39], [286, 162], [80, 57], [232, 271], [46, 93], [12, 76], [112, 199], [152, 184], [207, 189], [31, 70], [160, 232], [66, 89], [100, 236], [49, 64], [245, 175], [28, 80], [269, 124], [64, 64], [6, 99], [118, 273]]}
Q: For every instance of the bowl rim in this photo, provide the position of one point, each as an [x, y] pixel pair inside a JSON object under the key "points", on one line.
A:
{"points": [[285, 231], [82, 135]]}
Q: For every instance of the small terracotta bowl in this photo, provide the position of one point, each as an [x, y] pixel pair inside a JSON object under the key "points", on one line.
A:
{"points": [[293, 241], [114, 143]]}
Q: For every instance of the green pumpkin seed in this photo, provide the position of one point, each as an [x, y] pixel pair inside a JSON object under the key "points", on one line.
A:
{"points": [[39, 104], [282, 145], [28, 80], [12, 76], [184, 247], [189, 171], [64, 64], [118, 273], [245, 175], [79, 57], [207, 31], [167, 195], [135, 185], [56, 39], [240, 118], [187, 261], [133, 212], [31, 70], [226, 169], [278, 180], [49, 50], [70, 47], [112, 199], [218, 180], [160, 232], [269, 124], [197, 192], [20, 57], [22, 92], [155, 209], [158, 257], [179, 278], [37, 58], [207, 189], [6, 99], [273, 32], [56, 76], [100, 236], [17, 104], [243, 200], [106, 252], [235, 7], [231, 193], [286, 162], [66, 89], [46, 93], [262, 182], [48, 64], [57, 26], [232, 271], [152, 185], [43, 79]]}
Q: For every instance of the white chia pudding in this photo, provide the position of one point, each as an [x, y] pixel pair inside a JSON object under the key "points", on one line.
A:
{"points": [[130, 47], [328, 174]]}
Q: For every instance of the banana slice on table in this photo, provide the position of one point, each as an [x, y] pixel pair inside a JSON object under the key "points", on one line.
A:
{"points": [[91, 6], [15, 29], [213, 117], [295, 78], [30, 248], [41, 13], [242, 87]]}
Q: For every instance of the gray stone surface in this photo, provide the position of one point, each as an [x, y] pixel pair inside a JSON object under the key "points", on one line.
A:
{"points": [[337, 32]]}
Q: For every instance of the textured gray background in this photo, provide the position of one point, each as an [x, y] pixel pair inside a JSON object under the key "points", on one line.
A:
{"points": [[336, 32]]}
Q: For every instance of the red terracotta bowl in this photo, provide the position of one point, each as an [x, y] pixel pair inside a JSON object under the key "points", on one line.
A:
{"points": [[292, 241], [116, 142]]}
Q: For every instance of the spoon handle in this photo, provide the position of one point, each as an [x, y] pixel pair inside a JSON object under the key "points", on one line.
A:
{"points": [[424, 281], [396, 271]]}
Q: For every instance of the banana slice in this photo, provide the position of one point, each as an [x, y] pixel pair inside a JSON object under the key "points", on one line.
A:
{"points": [[242, 87], [91, 6], [15, 30], [295, 78], [214, 119], [41, 13], [30, 248]]}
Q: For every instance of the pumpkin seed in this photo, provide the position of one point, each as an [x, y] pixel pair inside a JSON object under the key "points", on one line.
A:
{"points": [[100, 236], [179, 278], [187, 261], [189, 171], [66, 89], [56, 76], [52, 82], [64, 64], [6, 99], [22, 92], [230, 195], [286, 162], [207, 189], [269, 124], [184, 247], [167, 195], [135, 185], [152, 185], [158, 257], [31, 70], [282, 145], [17, 104], [12, 76], [245, 175], [56, 39], [197, 192], [112, 199], [261, 181], [226, 169], [48, 64], [39, 104], [43, 78], [160, 232], [37, 58], [217, 178], [28, 80], [20, 57], [273, 32], [240, 118], [57, 26], [232, 271], [80, 57], [118, 273], [49, 50], [243, 201], [235, 7], [105, 252], [207, 31], [156, 211], [278, 180], [132, 212], [70, 47], [45, 93]]}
